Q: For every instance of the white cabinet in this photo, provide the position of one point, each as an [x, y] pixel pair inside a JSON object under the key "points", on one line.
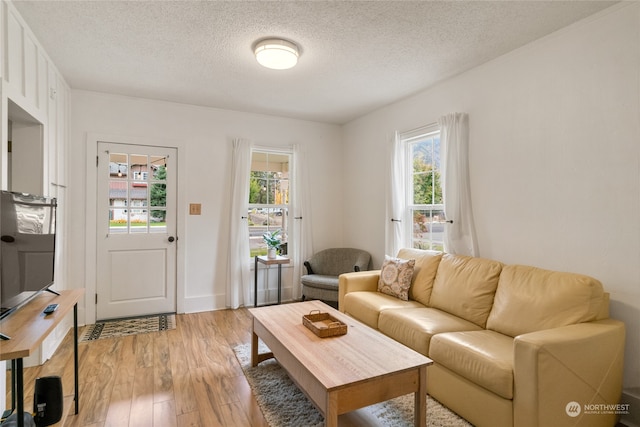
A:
{"points": [[26, 71]]}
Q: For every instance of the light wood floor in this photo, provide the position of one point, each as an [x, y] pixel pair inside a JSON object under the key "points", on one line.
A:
{"points": [[184, 377]]}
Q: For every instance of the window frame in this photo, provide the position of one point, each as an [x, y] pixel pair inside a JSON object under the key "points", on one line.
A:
{"points": [[408, 140], [284, 208]]}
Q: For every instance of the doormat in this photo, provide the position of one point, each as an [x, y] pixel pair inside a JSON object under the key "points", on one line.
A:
{"points": [[124, 327]]}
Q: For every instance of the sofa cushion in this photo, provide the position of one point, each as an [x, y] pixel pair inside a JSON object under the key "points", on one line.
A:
{"points": [[320, 281], [530, 299], [465, 286], [424, 272], [366, 306], [414, 327], [395, 277], [483, 357]]}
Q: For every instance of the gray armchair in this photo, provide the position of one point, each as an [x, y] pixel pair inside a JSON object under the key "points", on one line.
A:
{"points": [[323, 269]]}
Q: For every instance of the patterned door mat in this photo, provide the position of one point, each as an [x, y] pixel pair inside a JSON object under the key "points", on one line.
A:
{"points": [[124, 327]]}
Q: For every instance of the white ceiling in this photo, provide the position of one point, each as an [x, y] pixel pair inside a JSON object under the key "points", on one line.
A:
{"points": [[356, 56]]}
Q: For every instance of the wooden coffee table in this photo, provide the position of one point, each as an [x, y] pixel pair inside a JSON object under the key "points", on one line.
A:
{"points": [[342, 373]]}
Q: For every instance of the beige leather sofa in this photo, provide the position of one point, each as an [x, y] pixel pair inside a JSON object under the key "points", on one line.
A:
{"points": [[512, 345]]}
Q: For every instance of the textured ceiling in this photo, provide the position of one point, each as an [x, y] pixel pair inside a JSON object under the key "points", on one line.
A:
{"points": [[356, 56]]}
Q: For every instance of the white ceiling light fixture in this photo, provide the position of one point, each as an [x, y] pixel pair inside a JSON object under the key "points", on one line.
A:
{"points": [[277, 54]]}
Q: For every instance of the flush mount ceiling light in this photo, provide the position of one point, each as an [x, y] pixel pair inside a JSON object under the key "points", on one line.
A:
{"points": [[276, 54]]}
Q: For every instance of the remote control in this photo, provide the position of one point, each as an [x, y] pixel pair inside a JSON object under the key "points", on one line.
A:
{"points": [[50, 308]]}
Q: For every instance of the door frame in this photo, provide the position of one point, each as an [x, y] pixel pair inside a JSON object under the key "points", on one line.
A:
{"points": [[90, 280]]}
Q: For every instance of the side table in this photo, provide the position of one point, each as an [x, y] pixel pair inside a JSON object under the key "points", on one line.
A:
{"points": [[263, 259]]}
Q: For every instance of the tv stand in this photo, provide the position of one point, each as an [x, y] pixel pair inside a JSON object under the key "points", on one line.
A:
{"points": [[30, 326], [52, 291]]}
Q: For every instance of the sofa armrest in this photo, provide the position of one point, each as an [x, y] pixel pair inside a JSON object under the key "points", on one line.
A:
{"points": [[307, 264], [362, 262], [580, 363], [357, 281]]}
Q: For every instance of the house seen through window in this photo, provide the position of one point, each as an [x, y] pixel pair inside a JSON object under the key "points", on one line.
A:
{"points": [[268, 199], [425, 209]]}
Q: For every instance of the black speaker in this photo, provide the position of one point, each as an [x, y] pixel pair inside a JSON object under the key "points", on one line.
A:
{"points": [[47, 401]]}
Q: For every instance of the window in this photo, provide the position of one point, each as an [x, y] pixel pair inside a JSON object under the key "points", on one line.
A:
{"points": [[425, 209], [137, 193], [268, 199]]}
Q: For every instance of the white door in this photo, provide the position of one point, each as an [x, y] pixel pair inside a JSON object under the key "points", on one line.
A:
{"points": [[136, 230]]}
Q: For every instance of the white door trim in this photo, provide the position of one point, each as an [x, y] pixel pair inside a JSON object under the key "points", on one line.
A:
{"points": [[91, 213]]}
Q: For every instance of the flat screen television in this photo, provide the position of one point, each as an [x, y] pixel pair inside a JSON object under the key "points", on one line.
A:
{"points": [[27, 248]]}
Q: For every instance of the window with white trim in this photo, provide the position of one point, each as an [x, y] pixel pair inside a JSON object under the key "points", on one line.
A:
{"points": [[425, 208], [269, 202]]}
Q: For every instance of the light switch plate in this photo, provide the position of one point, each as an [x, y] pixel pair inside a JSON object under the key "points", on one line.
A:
{"points": [[195, 209]]}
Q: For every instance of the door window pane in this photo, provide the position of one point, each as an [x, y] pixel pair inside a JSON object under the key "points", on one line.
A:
{"points": [[158, 194], [136, 182], [118, 166]]}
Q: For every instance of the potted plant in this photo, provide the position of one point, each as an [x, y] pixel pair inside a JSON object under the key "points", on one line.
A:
{"points": [[273, 241]]}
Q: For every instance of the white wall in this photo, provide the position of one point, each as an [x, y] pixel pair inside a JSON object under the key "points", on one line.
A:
{"points": [[204, 140], [554, 158]]}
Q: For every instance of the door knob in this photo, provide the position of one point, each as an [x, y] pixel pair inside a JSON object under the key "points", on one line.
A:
{"points": [[171, 238]]}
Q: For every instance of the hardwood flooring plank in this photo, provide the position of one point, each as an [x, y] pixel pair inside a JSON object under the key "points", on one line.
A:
{"points": [[142, 399], [144, 350], [90, 368], [107, 370], [195, 358], [68, 374], [127, 360], [206, 389], [247, 402], [163, 380], [191, 419], [182, 385], [164, 414], [234, 415], [184, 395], [96, 410], [119, 409]]}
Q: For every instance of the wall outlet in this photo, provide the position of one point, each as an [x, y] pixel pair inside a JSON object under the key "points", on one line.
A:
{"points": [[195, 209]]}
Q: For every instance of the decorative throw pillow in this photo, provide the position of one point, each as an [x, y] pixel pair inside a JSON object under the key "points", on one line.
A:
{"points": [[395, 277]]}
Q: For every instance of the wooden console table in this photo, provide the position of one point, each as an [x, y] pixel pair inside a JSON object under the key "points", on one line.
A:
{"points": [[27, 328]]}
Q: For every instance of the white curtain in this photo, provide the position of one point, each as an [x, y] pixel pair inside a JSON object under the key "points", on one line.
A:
{"points": [[239, 289], [395, 238], [301, 248], [460, 235]]}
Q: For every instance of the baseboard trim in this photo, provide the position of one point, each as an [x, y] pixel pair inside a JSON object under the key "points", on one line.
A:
{"points": [[631, 396]]}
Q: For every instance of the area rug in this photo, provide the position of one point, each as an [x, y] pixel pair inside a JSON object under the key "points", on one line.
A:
{"points": [[284, 405], [124, 327]]}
